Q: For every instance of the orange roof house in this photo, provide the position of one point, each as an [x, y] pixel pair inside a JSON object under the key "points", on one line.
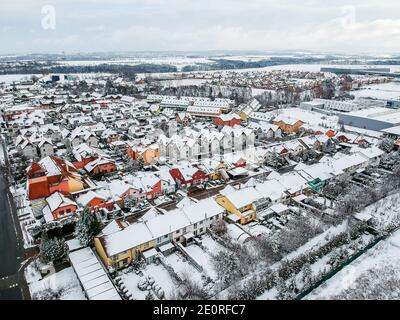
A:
{"points": [[101, 165], [149, 153], [287, 124], [52, 174], [330, 133]]}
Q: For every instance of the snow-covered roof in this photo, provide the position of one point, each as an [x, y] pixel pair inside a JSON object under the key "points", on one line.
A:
{"points": [[160, 225], [244, 197], [57, 200], [85, 198], [92, 276], [271, 189], [131, 237], [202, 210], [369, 153]]}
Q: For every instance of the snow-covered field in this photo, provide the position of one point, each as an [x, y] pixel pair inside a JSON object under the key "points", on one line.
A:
{"points": [[179, 62], [383, 91], [375, 275], [183, 82], [8, 78], [313, 119]]}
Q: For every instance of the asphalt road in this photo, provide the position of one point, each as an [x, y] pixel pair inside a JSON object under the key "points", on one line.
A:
{"points": [[10, 253]]}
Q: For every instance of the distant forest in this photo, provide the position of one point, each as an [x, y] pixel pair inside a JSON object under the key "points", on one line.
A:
{"points": [[224, 64], [40, 68]]}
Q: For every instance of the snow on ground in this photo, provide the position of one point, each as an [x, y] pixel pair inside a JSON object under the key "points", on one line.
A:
{"points": [[383, 91], [9, 78], [157, 272], [213, 246], [161, 276], [183, 82], [183, 267], [319, 240], [373, 270], [257, 229], [178, 61], [25, 215], [131, 280], [323, 265], [386, 212], [204, 259], [311, 118], [2, 160], [64, 280]]}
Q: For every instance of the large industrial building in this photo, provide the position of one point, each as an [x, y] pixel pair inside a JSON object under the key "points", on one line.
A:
{"points": [[334, 105], [376, 119], [361, 70]]}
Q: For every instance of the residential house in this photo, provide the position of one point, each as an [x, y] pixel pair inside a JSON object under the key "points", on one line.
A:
{"points": [[241, 204], [287, 124], [124, 246], [52, 174], [230, 120], [58, 207], [187, 175]]}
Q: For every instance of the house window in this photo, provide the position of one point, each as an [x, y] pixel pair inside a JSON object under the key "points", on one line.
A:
{"points": [[68, 210], [201, 230], [195, 225], [146, 245], [61, 213]]}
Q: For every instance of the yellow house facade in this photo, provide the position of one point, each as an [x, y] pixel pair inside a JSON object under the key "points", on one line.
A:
{"points": [[120, 249]]}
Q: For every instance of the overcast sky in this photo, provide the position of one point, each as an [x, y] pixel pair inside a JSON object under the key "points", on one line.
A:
{"points": [[350, 26]]}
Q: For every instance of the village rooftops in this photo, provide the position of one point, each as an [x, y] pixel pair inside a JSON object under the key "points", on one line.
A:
{"points": [[83, 151], [55, 166], [160, 225]]}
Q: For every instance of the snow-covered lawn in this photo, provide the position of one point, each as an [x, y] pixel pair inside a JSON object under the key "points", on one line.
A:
{"points": [[314, 119], [204, 259], [257, 229], [383, 91], [375, 275], [183, 267], [65, 282], [157, 272], [211, 245]]}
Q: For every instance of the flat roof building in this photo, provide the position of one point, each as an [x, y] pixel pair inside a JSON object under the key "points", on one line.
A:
{"points": [[376, 119]]}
